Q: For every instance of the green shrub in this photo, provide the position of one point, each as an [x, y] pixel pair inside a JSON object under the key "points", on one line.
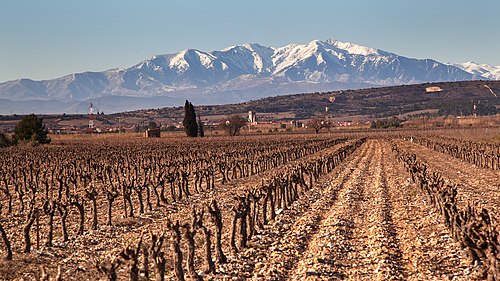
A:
{"points": [[31, 129], [4, 141], [386, 123]]}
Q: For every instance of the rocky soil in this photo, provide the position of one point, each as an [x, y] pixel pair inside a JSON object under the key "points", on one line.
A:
{"points": [[366, 222], [363, 221]]}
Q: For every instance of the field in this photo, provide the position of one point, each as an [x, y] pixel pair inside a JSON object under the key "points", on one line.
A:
{"points": [[352, 205]]}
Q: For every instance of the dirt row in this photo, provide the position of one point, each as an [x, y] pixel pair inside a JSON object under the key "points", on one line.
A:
{"points": [[282, 243], [366, 222], [428, 251], [357, 237]]}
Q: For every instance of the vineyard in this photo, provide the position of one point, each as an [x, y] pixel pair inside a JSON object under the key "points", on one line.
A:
{"points": [[396, 205]]}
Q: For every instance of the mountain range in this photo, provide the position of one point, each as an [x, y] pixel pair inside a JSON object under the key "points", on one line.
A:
{"points": [[480, 71], [234, 74]]}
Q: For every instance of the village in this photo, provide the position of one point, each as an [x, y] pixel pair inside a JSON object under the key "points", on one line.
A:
{"points": [[152, 125]]}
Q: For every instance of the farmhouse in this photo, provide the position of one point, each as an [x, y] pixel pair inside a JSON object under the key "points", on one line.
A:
{"points": [[152, 133], [433, 89]]}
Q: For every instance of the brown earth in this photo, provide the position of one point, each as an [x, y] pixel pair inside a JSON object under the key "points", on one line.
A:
{"points": [[479, 184], [363, 221], [366, 222]]}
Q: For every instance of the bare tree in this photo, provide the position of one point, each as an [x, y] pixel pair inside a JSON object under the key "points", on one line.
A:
{"points": [[32, 215], [233, 124], [109, 267], [50, 208], [175, 247], [209, 266], [318, 123], [190, 231]]}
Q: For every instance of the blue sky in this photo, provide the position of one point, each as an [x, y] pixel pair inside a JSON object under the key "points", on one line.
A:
{"points": [[51, 38]]}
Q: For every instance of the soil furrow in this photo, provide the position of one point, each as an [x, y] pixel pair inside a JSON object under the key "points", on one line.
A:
{"points": [[383, 234], [380, 229], [427, 250], [332, 243], [283, 242]]}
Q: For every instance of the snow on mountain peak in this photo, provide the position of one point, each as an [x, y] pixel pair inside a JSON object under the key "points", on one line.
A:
{"points": [[206, 59], [251, 46], [353, 49], [323, 59], [252, 70], [179, 61], [248, 57], [292, 54], [481, 70]]}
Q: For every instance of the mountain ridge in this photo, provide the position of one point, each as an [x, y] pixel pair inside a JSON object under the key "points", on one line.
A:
{"points": [[238, 73], [480, 70]]}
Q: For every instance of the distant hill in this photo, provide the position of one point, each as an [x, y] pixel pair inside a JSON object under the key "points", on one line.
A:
{"points": [[433, 99], [450, 98], [232, 75]]}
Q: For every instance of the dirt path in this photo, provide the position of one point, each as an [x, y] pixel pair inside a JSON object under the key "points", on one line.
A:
{"points": [[278, 248], [428, 251], [356, 241], [481, 185], [368, 223]]}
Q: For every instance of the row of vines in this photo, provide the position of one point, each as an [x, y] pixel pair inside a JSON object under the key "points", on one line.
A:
{"points": [[474, 227], [250, 211], [481, 154], [80, 188]]}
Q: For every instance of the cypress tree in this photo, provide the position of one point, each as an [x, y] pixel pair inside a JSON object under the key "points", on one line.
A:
{"points": [[189, 122], [201, 132], [194, 122]]}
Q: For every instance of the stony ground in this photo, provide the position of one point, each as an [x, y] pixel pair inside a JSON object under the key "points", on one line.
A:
{"points": [[363, 221], [366, 222], [482, 185]]}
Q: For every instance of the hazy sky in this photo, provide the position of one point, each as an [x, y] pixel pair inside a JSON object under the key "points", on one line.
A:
{"points": [[51, 38]]}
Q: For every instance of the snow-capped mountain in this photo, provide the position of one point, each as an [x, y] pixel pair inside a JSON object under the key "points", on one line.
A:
{"points": [[234, 74], [480, 71]]}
